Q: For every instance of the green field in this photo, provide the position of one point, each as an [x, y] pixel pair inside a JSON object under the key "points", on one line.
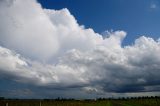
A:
{"points": [[126, 102]]}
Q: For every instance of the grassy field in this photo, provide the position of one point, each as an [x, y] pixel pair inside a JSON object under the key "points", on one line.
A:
{"points": [[127, 102]]}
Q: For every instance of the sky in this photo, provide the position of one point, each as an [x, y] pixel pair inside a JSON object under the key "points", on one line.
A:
{"points": [[137, 18], [79, 48]]}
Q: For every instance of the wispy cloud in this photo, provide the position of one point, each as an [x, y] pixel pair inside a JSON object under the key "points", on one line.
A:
{"points": [[153, 6]]}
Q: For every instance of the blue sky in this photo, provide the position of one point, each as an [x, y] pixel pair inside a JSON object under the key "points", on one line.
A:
{"points": [[56, 48], [136, 17]]}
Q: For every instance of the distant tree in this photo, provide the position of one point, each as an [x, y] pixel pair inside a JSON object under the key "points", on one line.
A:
{"points": [[2, 98]]}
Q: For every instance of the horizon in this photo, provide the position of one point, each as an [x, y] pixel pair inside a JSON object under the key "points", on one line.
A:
{"points": [[61, 99]]}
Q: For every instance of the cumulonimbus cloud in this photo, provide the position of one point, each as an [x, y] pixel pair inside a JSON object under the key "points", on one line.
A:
{"points": [[49, 48]]}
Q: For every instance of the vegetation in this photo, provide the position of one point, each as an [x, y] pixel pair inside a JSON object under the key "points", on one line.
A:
{"points": [[143, 101]]}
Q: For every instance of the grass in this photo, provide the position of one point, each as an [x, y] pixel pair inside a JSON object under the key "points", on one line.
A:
{"points": [[137, 102], [129, 102]]}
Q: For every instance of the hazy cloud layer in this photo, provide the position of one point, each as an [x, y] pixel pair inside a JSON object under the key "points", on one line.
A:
{"points": [[49, 48]]}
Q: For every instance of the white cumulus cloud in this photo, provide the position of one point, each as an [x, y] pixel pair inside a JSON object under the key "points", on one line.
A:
{"points": [[49, 48], [26, 29]]}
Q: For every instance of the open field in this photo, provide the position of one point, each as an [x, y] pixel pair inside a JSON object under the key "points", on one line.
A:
{"points": [[126, 102]]}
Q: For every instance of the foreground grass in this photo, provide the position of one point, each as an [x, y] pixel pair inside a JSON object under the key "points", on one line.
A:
{"points": [[55, 103], [130, 102], [137, 102]]}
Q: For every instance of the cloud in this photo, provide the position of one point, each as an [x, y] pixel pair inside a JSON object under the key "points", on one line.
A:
{"points": [[154, 5], [124, 69], [48, 48], [70, 34], [21, 92], [26, 29], [41, 34]]}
